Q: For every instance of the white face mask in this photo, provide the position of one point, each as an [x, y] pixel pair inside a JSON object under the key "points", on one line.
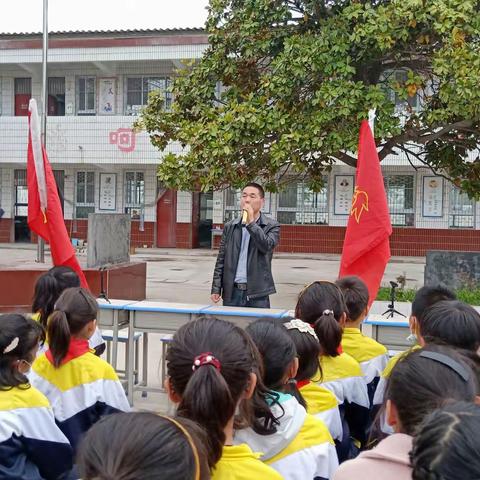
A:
{"points": [[412, 339]]}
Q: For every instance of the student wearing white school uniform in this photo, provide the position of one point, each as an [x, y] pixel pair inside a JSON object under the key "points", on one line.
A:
{"points": [[300, 447], [322, 305], [371, 355], [318, 401], [81, 387], [32, 447]]}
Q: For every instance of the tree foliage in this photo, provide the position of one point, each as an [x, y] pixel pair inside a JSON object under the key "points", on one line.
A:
{"points": [[299, 76]]}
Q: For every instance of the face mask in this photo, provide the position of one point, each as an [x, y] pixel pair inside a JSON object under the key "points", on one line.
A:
{"points": [[412, 339]]}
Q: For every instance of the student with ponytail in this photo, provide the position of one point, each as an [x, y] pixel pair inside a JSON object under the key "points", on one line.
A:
{"points": [[48, 289], [319, 401], [80, 386], [29, 436], [212, 370], [301, 447], [322, 305]]}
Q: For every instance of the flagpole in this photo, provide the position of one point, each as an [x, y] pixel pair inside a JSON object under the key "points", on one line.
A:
{"points": [[40, 241]]}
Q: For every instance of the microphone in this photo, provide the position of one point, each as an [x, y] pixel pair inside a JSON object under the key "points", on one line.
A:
{"points": [[244, 217]]}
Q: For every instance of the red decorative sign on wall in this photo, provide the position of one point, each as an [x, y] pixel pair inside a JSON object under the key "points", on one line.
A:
{"points": [[124, 138]]}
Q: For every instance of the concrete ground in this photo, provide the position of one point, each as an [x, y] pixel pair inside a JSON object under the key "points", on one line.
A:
{"points": [[185, 276]]}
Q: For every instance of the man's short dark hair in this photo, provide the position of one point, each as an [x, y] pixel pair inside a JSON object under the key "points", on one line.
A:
{"points": [[260, 189], [356, 295], [428, 296]]}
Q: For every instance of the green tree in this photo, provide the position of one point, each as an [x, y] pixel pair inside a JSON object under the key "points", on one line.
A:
{"points": [[299, 76]]}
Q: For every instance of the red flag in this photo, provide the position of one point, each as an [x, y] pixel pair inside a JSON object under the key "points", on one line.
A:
{"points": [[45, 216], [366, 248]]}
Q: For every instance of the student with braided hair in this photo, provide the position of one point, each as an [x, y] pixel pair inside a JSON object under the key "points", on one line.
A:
{"points": [[80, 386], [421, 382], [447, 445]]}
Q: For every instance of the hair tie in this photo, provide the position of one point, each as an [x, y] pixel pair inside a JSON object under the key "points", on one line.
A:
{"points": [[327, 312], [190, 442], [206, 359], [11, 346], [301, 326]]}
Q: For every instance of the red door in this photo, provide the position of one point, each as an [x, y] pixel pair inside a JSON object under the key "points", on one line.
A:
{"points": [[167, 219]]}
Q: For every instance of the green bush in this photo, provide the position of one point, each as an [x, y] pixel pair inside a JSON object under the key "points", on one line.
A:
{"points": [[471, 296]]}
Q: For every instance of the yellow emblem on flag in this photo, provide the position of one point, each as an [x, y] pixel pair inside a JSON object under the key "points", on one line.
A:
{"points": [[359, 203]]}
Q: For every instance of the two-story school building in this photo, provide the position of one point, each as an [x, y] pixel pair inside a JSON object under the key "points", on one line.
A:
{"points": [[97, 84]]}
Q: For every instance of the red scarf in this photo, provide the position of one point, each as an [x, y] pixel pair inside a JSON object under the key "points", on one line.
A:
{"points": [[77, 348], [302, 383]]}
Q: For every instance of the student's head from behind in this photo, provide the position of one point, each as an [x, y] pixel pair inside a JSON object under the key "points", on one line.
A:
{"points": [[425, 298], [451, 322], [211, 366], [427, 379], [355, 292], [307, 347], [48, 288], [130, 446], [322, 305], [447, 445], [279, 355], [74, 315], [19, 341], [253, 194]]}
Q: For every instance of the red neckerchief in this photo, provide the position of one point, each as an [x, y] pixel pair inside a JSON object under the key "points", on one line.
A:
{"points": [[340, 349], [77, 348], [302, 383]]}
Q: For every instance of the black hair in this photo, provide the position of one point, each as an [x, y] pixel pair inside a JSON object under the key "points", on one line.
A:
{"points": [[322, 305], [260, 189], [451, 322], [48, 288], [308, 352], [447, 445], [19, 335], [128, 446], [356, 295], [277, 350], [418, 385], [210, 395], [427, 296], [75, 308]]}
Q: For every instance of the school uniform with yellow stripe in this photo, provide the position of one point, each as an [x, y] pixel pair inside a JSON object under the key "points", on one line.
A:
{"points": [[82, 390], [371, 355], [238, 462], [32, 447], [301, 448], [323, 404]]}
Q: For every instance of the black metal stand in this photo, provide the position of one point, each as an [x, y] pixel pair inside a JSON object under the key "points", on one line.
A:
{"points": [[390, 312], [102, 288]]}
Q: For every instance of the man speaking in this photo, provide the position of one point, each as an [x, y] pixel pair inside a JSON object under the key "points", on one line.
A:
{"points": [[243, 272]]}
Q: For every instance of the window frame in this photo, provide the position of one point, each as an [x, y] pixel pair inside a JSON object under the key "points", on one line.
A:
{"points": [[85, 111], [129, 207], [453, 216], [408, 214], [85, 204], [168, 97]]}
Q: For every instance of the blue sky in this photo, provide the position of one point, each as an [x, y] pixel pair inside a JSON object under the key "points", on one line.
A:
{"points": [[26, 15]]}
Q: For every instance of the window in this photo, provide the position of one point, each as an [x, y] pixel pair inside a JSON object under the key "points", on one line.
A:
{"points": [[232, 204], [400, 193], [462, 209], [401, 104], [85, 194], [134, 194], [86, 91], [297, 204], [23, 93], [56, 96], [138, 89]]}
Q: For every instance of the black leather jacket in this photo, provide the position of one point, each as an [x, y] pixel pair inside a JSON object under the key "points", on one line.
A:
{"points": [[264, 236]]}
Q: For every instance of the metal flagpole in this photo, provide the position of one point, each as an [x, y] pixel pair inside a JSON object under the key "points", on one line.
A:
{"points": [[40, 241]]}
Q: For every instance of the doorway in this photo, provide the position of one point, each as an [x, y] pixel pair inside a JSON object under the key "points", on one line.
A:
{"points": [[166, 218], [205, 222]]}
